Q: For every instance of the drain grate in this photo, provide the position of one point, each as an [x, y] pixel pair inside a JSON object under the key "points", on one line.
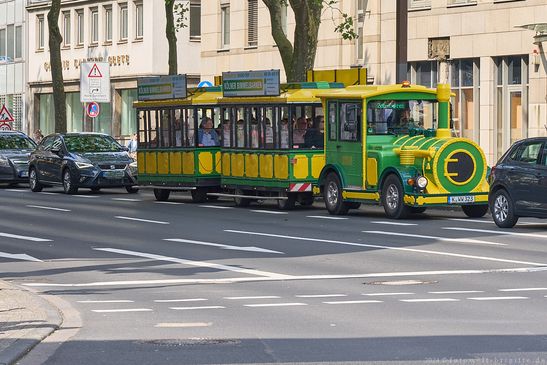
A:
{"points": [[401, 282], [188, 342]]}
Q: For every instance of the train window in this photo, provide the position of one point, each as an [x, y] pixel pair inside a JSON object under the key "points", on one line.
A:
{"points": [[350, 121], [284, 127], [332, 121]]}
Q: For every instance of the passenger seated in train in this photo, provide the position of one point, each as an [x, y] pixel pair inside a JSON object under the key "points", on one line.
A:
{"points": [[207, 136], [314, 137], [299, 131]]}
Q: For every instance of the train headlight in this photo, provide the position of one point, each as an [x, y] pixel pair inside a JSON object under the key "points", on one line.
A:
{"points": [[421, 182]]}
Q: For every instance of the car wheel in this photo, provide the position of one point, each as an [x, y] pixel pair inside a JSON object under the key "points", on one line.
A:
{"points": [[239, 201], [288, 203], [332, 194], [475, 211], [503, 211], [69, 185], [131, 189], [393, 198], [199, 195], [34, 184], [162, 194]]}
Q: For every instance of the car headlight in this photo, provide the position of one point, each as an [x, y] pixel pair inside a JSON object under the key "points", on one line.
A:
{"points": [[133, 165], [421, 182], [83, 165], [4, 161]]}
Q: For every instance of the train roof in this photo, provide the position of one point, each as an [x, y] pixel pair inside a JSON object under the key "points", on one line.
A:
{"points": [[368, 91]]}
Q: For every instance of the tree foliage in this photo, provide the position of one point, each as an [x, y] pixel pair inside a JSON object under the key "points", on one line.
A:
{"points": [[55, 40], [299, 56]]}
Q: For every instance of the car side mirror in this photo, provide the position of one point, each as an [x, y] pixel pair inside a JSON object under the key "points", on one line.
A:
{"points": [[55, 150]]}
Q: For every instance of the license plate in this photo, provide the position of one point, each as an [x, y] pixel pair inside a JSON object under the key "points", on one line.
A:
{"points": [[461, 199], [23, 174], [117, 174]]}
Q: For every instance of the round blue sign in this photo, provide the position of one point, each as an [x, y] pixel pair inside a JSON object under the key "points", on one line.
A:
{"points": [[205, 84]]}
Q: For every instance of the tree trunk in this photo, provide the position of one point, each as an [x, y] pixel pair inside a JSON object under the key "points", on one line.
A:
{"points": [[171, 34], [283, 44], [55, 39]]}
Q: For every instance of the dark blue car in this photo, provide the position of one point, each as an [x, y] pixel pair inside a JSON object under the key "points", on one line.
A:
{"points": [[81, 160], [518, 183], [15, 148]]}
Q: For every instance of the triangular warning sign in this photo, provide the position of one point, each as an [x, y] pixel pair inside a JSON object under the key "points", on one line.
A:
{"points": [[5, 115], [95, 72]]}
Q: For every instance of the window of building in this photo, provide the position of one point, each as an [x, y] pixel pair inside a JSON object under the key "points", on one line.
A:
{"points": [[10, 45], [94, 26], [40, 36], [360, 26], [423, 73], [2, 42], [139, 21], [123, 22], [108, 24], [195, 20], [462, 2], [252, 23], [128, 126], [19, 41], [66, 28], [419, 4], [80, 27], [465, 105], [225, 26]]}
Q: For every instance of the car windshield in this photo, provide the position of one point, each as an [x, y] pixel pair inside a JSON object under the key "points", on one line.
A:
{"points": [[399, 116], [16, 142], [91, 143]]}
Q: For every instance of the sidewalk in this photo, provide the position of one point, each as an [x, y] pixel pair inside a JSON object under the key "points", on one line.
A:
{"points": [[25, 320]]}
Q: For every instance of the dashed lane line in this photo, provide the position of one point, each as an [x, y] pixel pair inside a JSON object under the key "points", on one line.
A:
{"points": [[394, 223], [386, 294], [140, 220], [500, 232], [127, 199], [215, 206], [179, 300], [456, 292], [24, 238], [121, 310], [48, 208], [104, 301], [429, 300], [522, 289], [320, 295], [326, 217], [436, 238], [353, 302], [183, 325], [497, 298], [268, 211], [275, 305], [169, 203], [197, 308], [253, 297]]}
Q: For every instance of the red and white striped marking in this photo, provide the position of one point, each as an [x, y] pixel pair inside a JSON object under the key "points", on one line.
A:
{"points": [[301, 187]]}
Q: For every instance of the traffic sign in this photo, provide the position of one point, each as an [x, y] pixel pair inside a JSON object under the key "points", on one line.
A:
{"points": [[92, 110], [5, 127], [5, 115], [95, 82]]}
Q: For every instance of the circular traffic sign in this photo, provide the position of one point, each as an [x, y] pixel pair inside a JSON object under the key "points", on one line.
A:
{"points": [[92, 109], [5, 127]]}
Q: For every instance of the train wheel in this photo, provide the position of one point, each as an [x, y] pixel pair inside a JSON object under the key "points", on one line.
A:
{"points": [[475, 211], [199, 195], [332, 195], [286, 204], [241, 202], [162, 194], [393, 198]]}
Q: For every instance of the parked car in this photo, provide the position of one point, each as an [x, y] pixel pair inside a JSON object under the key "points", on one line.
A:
{"points": [[15, 148], [81, 160], [518, 183]]}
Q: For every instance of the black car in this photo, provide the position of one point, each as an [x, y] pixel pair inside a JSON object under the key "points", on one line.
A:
{"points": [[87, 160], [15, 148], [518, 183]]}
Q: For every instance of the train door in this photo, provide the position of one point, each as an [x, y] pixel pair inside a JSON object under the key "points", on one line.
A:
{"points": [[344, 141]]}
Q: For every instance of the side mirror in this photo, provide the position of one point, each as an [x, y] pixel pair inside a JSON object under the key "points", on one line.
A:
{"points": [[55, 150]]}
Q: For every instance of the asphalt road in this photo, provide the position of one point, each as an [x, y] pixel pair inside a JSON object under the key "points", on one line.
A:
{"points": [[183, 283]]}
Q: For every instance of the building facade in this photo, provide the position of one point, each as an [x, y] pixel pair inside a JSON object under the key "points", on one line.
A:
{"points": [[496, 71], [12, 60], [128, 35]]}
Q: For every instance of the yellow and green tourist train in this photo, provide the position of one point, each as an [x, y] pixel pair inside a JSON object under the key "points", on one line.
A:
{"points": [[388, 145]]}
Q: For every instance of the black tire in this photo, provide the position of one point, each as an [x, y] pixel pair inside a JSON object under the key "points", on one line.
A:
{"points": [[69, 185], [306, 199], [503, 209], [199, 195], [131, 189], [241, 202], [33, 181], [475, 211], [393, 198], [417, 210], [95, 189], [332, 194], [162, 195], [286, 204]]}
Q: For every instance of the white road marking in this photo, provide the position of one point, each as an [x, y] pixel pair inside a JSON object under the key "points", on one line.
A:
{"points": [[17, 190], [497, 298], [274, 305], [354, 302], [121, 310], [183, 325], [444, 239], [26, 238], [385, 294], [404, 249], [48, 208], [180, 300], [193, 308], [127, 199], [497, 232], [523, 289], [85, 196], [320, 295], [255, 297], [169, 203], [326, 217], [104, 301], [394, 223], [456, 292], [224, 247], [21, 256], [215, 206], [470, 220], [195, 263], [429, 300], [267, 211], [141, 220], [48, 193]]}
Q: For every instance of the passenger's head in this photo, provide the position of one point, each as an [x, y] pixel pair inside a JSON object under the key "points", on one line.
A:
{"points": [[301, 123], [206, 123], [319, 122]]}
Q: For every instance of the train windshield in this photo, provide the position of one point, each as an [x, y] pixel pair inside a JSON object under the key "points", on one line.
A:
{"points": [[400, 116]]}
